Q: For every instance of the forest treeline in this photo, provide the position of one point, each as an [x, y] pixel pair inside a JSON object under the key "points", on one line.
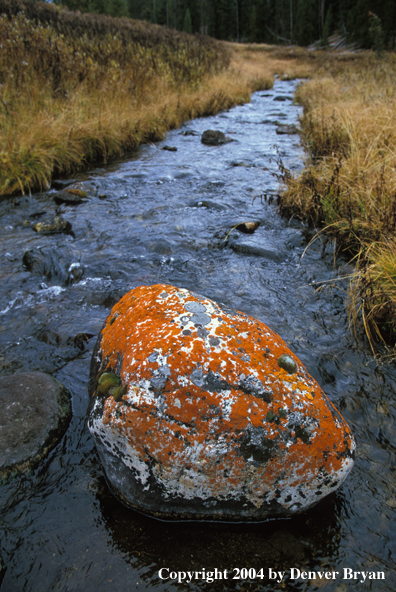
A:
{"points": [[369, 23]]}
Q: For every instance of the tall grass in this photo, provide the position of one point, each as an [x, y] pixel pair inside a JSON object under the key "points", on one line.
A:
{"points": [[76, 88], [349, 184]]}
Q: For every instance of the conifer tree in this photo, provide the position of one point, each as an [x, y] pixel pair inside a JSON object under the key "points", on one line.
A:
{"points": [[99, 6], [118, 8], [307, 22], [187, 24]]}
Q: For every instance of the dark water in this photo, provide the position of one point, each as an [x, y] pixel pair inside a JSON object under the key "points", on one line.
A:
{"points": [[163, 217]]}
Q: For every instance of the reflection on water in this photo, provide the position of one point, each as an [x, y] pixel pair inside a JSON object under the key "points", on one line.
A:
{"points": [[165, 217]]}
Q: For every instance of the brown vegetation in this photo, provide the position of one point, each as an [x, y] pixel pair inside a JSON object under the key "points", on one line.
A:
{"points": [[75, 88], [348, 187]]}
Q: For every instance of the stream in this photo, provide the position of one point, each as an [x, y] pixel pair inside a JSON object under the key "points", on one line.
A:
{"points": [[169, 217]]}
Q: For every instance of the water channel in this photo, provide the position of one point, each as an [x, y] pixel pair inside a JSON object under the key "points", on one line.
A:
{"points": [[163, 216]]}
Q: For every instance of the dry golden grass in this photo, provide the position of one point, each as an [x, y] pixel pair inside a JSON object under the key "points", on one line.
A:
{"points": [[79, 88], [44, 136], [349, 184], [255, 60], [72, 100]]}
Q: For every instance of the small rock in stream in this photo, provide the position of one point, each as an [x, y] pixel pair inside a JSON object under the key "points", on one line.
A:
{"points": [[59, 266], [202, 412], [35, 410], [248, 227], [207, 203], [262, 244], [169, 148], [57, 225], [287, 129], [215, 138], [190, 133], [76, 193]]}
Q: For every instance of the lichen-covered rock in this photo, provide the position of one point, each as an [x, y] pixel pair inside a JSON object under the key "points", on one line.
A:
{"points": [[202, 412], [35, 410]]}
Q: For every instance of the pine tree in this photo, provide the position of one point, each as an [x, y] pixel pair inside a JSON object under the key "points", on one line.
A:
{"points": [[307, 23], [99, 6], [187, 24], [328, 26], [376, 33], [118, 8], [82, 5]]}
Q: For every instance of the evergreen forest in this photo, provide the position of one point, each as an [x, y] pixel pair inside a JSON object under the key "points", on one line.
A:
{"points": [[365, 22]]}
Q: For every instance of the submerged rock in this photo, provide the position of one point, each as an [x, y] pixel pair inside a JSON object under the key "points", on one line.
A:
{"points": [[284, 129], [56, 225], [70, 196], [214, 138], [207, 423], [207, 203], [35, 411], [76, 193], [262, 244], [57, 266], [189, 133]]}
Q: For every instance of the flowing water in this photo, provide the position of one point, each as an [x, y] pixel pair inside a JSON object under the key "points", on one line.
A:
{"points": [[165, 217]]}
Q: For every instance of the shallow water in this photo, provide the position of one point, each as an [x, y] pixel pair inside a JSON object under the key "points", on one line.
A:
{"points": [[166, 217]]}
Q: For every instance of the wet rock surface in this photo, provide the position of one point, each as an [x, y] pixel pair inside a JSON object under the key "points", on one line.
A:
{"points": [[215, 138], [287, 129], [56, 267], [201, 412], [75, 194], [56, 225], [262, 244], [35, 410]]}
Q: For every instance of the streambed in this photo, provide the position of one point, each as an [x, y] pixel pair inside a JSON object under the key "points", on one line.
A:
{"points": [[164, 216]]}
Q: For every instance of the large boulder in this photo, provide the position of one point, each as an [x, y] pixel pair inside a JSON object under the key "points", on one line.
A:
{"points": [[202, 412], [35, 410]]}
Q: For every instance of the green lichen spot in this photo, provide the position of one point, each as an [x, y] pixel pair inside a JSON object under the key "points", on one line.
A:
{"points": [[270, 416], [287, 363], [77, 192], [119, 392], [282, 413], [106, 382], [108, 376]]}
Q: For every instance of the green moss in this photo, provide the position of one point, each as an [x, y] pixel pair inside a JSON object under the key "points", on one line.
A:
{"points": [[287, 363], [119, 392], [106, 382]]}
